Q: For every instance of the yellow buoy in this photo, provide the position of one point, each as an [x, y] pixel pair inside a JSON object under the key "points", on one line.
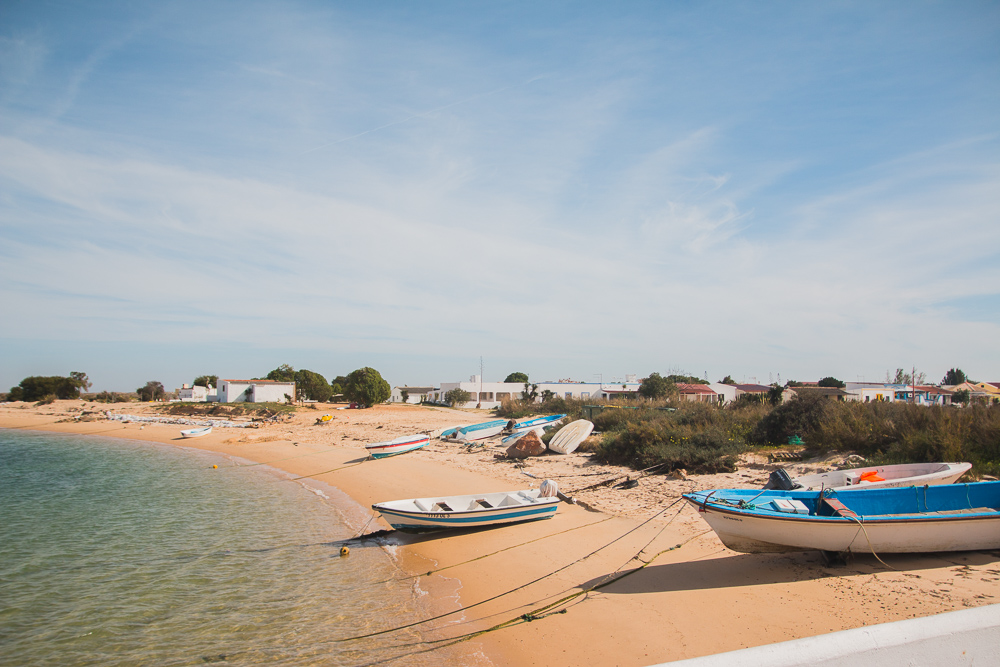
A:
{"points": [[344, 551], [215, 466]]}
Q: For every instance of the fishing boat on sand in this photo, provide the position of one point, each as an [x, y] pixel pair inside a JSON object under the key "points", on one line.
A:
{"points": [[401, 445], [874, 477], [909, 519], [196, 432], [471, 511], [545, 421], [569, 437], [475, 431]]}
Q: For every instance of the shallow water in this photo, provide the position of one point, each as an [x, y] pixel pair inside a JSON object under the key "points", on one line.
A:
{"points": [[128, 553]]}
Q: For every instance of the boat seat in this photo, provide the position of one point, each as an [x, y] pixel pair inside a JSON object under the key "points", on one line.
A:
{"points": [[840, 509], [526, 496], [510, 501], [421, 506], [442, 507]]}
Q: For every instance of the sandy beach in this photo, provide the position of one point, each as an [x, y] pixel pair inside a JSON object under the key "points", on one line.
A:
{"points": [[685, 594]]}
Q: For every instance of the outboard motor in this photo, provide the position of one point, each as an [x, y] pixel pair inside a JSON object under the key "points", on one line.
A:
{"points": [[780, 481]]}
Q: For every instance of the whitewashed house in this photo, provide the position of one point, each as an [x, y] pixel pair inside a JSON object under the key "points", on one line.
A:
{"points": [[867, 392], [255, 391], [195, 394], [726, 392], [488, 395], [413, 394]]}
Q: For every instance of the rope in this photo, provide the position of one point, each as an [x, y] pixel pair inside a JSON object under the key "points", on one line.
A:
{"points": [[315, 474], [611, 479], [513, 590]]}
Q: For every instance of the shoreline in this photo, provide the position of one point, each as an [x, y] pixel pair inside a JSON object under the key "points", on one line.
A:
{"points": [[691, 600]]}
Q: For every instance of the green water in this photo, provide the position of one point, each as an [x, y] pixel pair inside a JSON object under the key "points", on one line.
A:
{"points": [[126, 553]]}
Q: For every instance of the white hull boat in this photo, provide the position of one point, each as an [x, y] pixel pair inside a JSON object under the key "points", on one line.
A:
{"points": [[875, 477], [475, 431], [569, 437], [546, 421], [196, 432], [401, 445], [469, 511], [913, 519]]}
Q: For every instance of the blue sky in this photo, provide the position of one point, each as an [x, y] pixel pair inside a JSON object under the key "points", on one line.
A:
{"points": [[572, 190]]}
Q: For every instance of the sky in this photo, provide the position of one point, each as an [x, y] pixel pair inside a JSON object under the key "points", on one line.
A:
{"points": [[772, 191]]}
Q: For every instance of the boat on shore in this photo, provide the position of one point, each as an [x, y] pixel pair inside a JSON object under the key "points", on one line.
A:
{"points": [[543, 422], [470, 511], [401, 445], [909, 519], [569, 437], [475, 431], [874, 477], [196, 432]]}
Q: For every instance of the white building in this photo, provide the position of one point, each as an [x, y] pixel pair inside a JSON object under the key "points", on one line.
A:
{"points": [[255, 391], [488, 395], [726, 392], [413, 394], [197, 393], [867, 392]]}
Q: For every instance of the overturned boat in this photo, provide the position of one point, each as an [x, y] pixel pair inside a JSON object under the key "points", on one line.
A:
{"points": [[872, 477]]}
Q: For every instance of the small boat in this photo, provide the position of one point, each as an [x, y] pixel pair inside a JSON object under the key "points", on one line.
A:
{"points": [[545, 421], [873, 477], [401, 445], [196, 432], [470, 511], [569, 437], [905, 519], [475, 431]]}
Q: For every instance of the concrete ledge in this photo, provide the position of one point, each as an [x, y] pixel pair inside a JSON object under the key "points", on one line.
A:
{"points": [[967, 637]]}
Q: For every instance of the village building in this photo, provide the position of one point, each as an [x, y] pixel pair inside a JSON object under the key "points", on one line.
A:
{"points": [[413, 394], [697, 393], [488, 395], [196, 393], [726, 392], [255, 391]]}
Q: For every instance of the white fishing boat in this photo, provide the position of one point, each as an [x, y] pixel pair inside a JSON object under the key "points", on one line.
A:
{"points": [[509, 440], [874, 477], [401, 445], [911, 519], [196, 432], [470, 511], [543, 422], [475, 431], [569, 437]]}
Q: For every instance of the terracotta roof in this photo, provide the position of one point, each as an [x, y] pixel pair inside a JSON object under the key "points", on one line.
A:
{"points": [[695, 388]]}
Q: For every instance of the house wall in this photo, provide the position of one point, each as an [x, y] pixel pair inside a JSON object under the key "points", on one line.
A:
{"points": [[196, 393], [235, 391], [726, 392]]}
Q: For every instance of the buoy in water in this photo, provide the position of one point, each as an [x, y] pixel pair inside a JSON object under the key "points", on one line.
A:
{"points": [[344, 551]]}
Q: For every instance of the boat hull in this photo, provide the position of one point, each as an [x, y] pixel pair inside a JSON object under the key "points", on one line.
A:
{"points": [[908, 474], [475, 431], [406, 516], [536, 422], [381, 450], [196, 432], [569, 437], [957, 517]]}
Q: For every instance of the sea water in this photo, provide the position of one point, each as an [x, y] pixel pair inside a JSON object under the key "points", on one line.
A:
{"points": [[120, 552]]}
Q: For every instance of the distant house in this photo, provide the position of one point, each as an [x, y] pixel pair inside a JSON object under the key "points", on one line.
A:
{"points": [[867, 392], [197, 393], [255, 391], [726, 392], [752, 390], [698, 393], [490, 395], [413, 394]]}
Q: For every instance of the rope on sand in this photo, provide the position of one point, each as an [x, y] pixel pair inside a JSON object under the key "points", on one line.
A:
{"points": [[513, 590]]}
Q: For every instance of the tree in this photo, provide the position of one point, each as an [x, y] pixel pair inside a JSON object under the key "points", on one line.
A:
{"points": [[35, 388], [81, 380], [728, 380], [517, 377], [963, 396], [337, 384], [16, 394], [283, 373], [686, 379], [793, 383], [457, 395], [366, 387], [548, 395], [902, 377], [312, 386], [775, 394], [206, 381], [954, 376], [530, 392], [655, 386], [831, 382], [153, 391]]}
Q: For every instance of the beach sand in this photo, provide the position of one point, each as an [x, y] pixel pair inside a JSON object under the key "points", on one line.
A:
{"points": [[685, 594]]}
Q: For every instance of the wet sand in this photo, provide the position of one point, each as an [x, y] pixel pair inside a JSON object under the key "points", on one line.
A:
{"points": [[684, 594]]}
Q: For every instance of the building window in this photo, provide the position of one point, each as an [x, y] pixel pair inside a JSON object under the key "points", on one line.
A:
{"points": [[503, 395], [584, 394]]}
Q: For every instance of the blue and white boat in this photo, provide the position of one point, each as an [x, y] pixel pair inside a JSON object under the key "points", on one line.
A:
{"points": [[909, 519], [469, 511], [543, 422], [401, 445], [475, 431]]}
